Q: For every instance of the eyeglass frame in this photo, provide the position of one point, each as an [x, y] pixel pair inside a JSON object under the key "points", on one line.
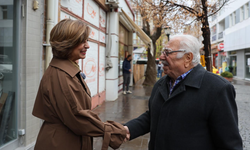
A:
{"points": [[164, 52]]}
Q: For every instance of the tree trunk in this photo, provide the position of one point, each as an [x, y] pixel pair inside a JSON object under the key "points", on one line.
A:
{"points": [[150, 75], [206, 36]]}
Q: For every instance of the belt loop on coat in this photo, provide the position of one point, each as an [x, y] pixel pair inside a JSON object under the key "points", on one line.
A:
{"points": [[107, 136]]}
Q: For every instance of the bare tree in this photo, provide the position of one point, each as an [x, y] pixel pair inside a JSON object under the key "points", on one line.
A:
{"points": [[153, 14], [199, 11]]}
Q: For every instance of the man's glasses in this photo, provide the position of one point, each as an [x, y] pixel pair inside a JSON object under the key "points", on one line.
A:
{"points": [[168, 51]]}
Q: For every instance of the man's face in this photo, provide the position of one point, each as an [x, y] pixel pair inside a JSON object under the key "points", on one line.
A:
{"points": [[173, 66], [130, 58]]}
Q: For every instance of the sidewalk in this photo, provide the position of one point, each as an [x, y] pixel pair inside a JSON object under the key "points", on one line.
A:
{"points": [[125, 108], [130, 106]]}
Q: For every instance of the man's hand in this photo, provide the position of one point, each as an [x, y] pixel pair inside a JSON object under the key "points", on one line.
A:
{"points": [[128, 134], [129, 70]]}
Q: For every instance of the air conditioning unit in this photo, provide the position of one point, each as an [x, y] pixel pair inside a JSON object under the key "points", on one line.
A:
{"points": [[112, 3]]}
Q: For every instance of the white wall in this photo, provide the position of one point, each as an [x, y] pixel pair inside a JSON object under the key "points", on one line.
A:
{"points": [[232, 6], [240, 64], [125, 7], [237, 37]]}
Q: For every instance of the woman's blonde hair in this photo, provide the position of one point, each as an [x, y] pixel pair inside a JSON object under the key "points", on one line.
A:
{"points": [[66, 35]]}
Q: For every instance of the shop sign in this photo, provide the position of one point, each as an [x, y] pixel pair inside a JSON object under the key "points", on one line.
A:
{"points": [[66, 16], [90, 67], [94, 34], [223, 53], [101, 69], [102, 37], [102, 18], [74, 6], [91, 12], [221, 46]]}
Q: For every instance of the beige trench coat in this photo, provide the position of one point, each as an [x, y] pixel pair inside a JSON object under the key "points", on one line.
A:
{"points": [[64, 105]]}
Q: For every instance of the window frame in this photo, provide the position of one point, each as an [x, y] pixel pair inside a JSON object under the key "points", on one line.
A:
{"points": [[242, 13], [15, 143], [246, 11], [230, 20]]}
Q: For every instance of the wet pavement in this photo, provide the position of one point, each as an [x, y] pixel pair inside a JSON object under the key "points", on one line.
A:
{"points": [[130, 106], [125, 108], [242, 88]]}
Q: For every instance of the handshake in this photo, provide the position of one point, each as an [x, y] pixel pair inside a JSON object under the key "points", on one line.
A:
{"points": [[127, 135]]}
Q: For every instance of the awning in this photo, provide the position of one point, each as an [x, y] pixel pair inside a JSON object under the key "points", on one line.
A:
{"points": [[140, 33], [139, 50]]}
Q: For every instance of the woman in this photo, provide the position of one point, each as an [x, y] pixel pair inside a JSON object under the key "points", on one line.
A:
{"points": [[64, 101]]}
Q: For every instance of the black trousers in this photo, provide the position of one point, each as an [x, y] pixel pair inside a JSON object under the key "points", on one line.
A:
{"points": [[126, 81]]}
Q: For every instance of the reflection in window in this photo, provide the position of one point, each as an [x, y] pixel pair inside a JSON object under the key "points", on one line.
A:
{"points": [[8, 118], [233, 65], [248, 66]]}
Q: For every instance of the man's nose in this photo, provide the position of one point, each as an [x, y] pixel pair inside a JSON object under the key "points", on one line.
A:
{"points": [[162, 57]]}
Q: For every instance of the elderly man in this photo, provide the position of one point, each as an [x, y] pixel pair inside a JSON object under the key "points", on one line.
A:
{"points": [[189, 108]]}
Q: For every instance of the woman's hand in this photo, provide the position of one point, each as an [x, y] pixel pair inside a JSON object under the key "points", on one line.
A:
{"points": [[128, 134]]}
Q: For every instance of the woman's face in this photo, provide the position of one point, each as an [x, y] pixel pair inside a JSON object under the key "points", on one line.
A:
{"points": [[80, 51]]}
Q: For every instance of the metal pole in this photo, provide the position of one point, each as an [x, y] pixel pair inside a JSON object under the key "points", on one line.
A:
{"points": [[50, 22]]}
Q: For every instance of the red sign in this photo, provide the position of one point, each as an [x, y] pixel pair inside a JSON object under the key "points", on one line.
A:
{"points": [[221, 46]]}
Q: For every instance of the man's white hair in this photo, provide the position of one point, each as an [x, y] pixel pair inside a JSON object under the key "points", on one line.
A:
{"points": [[191, 45]]}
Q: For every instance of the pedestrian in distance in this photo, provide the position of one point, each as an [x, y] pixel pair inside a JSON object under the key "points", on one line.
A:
{"points": [[64, 100], [159, 69], [189, 108], [126, 69]]}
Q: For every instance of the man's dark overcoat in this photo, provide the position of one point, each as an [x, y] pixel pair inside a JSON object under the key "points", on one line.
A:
{"points": [[200, 114]]}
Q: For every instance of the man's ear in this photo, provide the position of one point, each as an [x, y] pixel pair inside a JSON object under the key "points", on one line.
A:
{"points": [[188, 59]]}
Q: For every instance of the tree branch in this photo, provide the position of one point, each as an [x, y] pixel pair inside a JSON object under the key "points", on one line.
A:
{"points": [[191, 10], [218, 8]]}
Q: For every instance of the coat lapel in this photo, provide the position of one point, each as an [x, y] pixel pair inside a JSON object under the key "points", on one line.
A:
{"points": [[87, 88], [177, 91], [164, 88]]}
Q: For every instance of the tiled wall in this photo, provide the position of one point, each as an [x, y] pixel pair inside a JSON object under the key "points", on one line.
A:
{"points": [[30, 68]]}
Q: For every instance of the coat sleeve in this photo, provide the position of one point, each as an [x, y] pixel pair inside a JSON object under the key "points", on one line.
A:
{"points": [[65, 96], [139, 126], [223, 121]]}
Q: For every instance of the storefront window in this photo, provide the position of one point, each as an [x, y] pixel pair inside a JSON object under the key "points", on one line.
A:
{"points": [[8, 73], [248, 66], [122, 48], [233, 65]]}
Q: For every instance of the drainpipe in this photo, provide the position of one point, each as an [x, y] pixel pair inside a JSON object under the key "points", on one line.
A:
{"points": [[52, 7], [108, 61]]}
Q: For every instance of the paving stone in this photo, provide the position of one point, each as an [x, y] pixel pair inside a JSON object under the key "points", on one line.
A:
{"points": [[130, 106]]}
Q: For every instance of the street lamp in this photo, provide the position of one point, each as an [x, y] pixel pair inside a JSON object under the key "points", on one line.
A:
{"points": [[167, 30]]}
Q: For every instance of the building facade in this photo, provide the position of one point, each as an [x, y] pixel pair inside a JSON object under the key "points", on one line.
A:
{"points": [[25, 53], [21, 67], [230, 31]]}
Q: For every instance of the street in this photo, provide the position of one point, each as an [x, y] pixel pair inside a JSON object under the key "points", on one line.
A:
{"points": [[127, 107], [243, 103]]}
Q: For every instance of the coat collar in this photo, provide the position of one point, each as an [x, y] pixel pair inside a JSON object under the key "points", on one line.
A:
{"points": [[65, 65], [193, 79]]}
